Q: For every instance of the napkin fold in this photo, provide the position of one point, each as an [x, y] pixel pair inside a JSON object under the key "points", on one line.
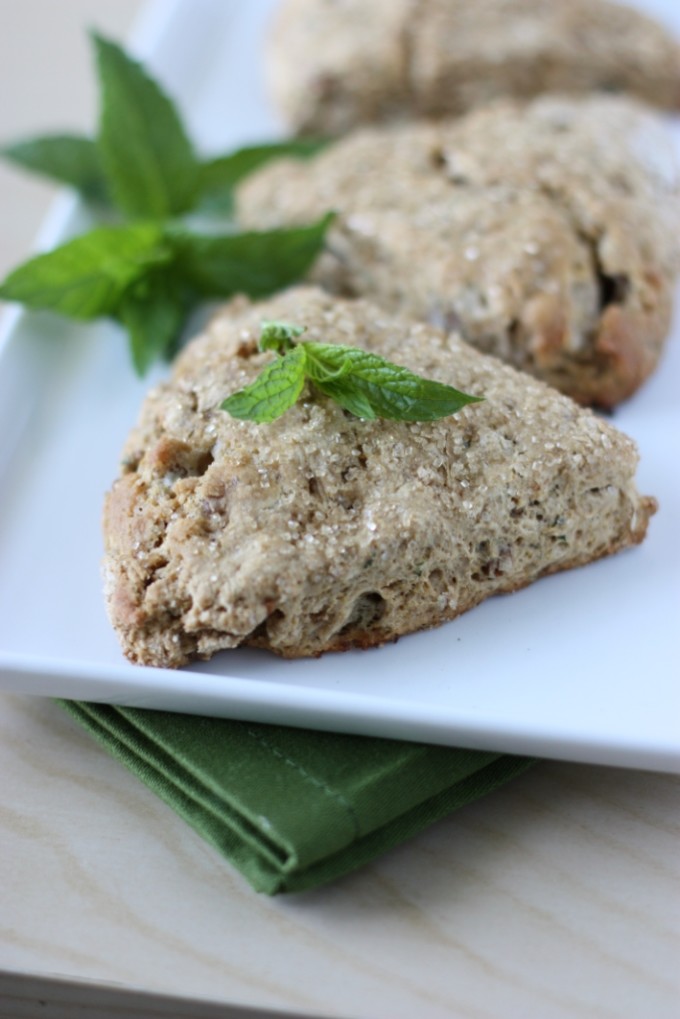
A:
{"points": [[293, 808]]}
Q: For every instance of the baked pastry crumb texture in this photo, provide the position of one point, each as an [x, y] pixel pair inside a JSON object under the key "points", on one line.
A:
{"points": [[324, 532], [336, 64], [547, 234]]}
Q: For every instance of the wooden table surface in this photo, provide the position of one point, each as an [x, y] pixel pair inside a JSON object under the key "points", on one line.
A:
{"points": [[556, 897]]}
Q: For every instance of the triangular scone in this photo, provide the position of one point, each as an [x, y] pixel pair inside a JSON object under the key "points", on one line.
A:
{"points": [[323, 532], [547, 234]]}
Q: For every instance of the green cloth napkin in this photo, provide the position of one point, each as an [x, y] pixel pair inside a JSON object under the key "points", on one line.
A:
{"points": [[293, 808]]}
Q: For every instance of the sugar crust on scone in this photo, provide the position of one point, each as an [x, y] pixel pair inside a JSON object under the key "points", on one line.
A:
{"points": [[322, 532], [547, 234]]}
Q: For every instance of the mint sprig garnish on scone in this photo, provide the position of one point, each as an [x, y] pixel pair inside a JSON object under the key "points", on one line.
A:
{"points": [[365, 384], [149, 271]]}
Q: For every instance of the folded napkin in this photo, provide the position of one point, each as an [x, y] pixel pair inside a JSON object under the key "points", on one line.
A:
{"points": [[293, 808]]}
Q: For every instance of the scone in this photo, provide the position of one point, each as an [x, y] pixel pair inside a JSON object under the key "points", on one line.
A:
{"points": [[547, 234], [321, 531], [335, 64]]}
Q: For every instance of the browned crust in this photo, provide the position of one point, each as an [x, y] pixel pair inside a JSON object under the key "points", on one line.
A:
{"points": [[322, 532], [547, 235], [363, 640], [333, 66], [627, 349]]}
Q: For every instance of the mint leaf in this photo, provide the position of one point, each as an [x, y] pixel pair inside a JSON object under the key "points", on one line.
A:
{"points": [[74, 160], [279, 336], [372, 387], [365, 384], [271, 394], [148, 276], [143, 155], [69, 159], [88, 276], [256, 263], [153, 310], [219, 176], [147, 157]]}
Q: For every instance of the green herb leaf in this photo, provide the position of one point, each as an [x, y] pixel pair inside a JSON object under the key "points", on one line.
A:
{"points": [[143, 154], [256, 263], [271, 394], [147, 157], [365, 384], [153, 310], [371, 387], [219, 176], [279, 336], [69, 159], [88, 276], [149, 276]]}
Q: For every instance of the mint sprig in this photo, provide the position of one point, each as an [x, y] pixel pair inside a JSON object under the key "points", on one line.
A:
{"points": [[147, 158], [142, 161], [150, 273], [153, 311], [148, 276], [255, 263], [365, 384], [276, 389], [88, 276]]}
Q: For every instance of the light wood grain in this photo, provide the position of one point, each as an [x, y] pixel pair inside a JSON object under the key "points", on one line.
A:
{"points": [[556, 897]]}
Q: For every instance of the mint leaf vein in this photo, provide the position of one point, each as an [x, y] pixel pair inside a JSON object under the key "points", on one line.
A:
{"points": [[363, 383], [147, 156], [275, 389]]}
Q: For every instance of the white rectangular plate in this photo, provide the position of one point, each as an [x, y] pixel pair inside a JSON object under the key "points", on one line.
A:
{"points": [[582, 666]]}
